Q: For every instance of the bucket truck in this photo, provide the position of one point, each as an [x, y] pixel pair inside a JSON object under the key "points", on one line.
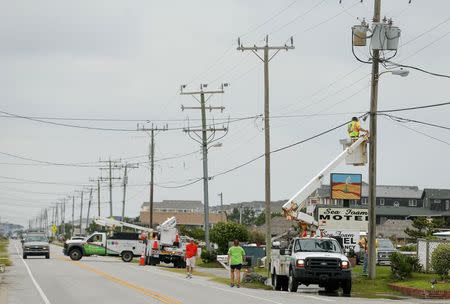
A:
{"points": [[313, 259], [127, 245]]}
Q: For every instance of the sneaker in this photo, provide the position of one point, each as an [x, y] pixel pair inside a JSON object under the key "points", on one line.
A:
{"points": [[231, 285], [238, 286], [187, 276], [190, 276]]}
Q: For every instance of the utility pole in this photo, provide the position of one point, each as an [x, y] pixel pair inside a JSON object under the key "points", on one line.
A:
{"points": [[98, 196], [89, 208], [204, 140], [125, 182], [373, 151], [221, 205], [112, 165], [151, 158], [63, 216], [81, 212], [266, 59], [73, 215]]}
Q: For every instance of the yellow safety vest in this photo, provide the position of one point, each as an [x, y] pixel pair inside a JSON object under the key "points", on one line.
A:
{"points": [[353, 129]]}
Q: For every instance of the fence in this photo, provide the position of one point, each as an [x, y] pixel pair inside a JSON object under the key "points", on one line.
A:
{"points": [[425, 249]]}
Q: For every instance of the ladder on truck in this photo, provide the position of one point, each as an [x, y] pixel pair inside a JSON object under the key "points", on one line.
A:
{"points": [[109, 222], [354, 153]]}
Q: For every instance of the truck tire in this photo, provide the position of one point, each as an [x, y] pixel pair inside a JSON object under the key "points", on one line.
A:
{"points": [[24, 256], [127, 256], [276, 281], [292, 282], [347, 287], [47, 256], [75, 254]]}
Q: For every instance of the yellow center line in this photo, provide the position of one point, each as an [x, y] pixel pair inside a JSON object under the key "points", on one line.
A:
{"points": [[153, 294]]}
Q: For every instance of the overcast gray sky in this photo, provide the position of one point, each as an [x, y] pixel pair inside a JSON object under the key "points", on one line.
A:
{"points": [[127, 59]]}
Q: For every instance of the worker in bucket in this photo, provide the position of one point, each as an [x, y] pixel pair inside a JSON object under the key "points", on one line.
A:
{"points": [[354, 128]]}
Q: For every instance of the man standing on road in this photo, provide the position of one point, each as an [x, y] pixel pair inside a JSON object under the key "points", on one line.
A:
{"points": [[191, 253], [235, 259]]}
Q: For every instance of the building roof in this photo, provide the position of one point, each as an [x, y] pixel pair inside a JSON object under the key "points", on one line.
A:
{"points": [[176, 205], [436, 193], [408, 211], [382, 191]]}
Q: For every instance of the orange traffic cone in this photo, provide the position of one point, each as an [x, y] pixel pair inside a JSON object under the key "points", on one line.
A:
{"points": [[142, 260]]}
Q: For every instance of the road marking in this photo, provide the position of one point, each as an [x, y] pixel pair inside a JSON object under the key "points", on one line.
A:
{"points": [[162, 272], [153, 294], [39, 289]]}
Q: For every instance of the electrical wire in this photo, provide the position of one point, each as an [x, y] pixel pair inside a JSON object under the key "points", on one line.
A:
{"points": [[418, 69], [405, 120], [416, 108]]}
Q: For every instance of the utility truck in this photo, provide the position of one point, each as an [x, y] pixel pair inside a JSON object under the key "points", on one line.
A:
{"points": [[314, 259], [127, 245], [167, 247]]}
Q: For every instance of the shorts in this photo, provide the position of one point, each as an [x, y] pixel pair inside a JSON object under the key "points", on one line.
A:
{"points": [[190, 262], [236, 267]]}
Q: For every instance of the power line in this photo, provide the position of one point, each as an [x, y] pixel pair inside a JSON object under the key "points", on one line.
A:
{"points": [[405, 120], [416, 108], [418, 69]]}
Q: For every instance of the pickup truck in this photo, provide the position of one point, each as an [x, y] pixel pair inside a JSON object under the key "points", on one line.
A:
{"points": [[311, 261], [127, 245]]}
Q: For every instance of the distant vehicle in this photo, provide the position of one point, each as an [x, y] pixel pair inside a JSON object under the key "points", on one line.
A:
{"points": [[442, 234], [385, 250], [35, 244]]}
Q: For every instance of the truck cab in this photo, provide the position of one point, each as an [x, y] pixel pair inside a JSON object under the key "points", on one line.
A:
{"points": [[311, 260]]}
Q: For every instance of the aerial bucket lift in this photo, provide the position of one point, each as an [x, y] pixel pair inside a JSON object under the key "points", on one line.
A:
{"points": [[354, 153]]}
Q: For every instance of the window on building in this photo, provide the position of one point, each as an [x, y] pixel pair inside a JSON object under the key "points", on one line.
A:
{"points": [[382, 201], [447, 205], [436, 201], [364, 201], [412, 203], [396, 204]]}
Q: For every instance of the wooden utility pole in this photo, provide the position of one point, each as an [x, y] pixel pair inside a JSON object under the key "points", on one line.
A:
{"points": [[204, 141], [125, 182], [151, 158], [111, 165], [373, 151], [266, 59], [89, 208]]}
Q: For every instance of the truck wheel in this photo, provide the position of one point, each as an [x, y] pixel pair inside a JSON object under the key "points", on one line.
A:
{"points": [[347, 287], [75, 255], [276, 281], [292, 282], [127, 256], [24, 256], [47, 256]]}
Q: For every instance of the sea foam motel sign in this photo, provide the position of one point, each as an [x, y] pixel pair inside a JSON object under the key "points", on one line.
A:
{"points": [[343, 218]]}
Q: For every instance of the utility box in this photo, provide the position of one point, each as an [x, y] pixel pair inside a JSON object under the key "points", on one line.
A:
{"points": [[392, 36], [385, 36], [360, 34], [359, 156]]}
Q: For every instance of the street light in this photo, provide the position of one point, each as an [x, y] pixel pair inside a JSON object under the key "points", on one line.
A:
{"points": [[398, 72]]}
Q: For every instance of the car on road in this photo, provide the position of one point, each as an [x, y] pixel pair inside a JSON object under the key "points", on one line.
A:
{"points": [[384, 251], [35, 244], [311, 260]]}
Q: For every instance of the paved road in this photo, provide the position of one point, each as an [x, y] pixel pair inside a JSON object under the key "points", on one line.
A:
{"points": [[109, 280]]}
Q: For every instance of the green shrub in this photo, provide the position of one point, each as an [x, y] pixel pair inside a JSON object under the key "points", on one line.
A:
{"points": [[408, 248], [440, 260], [208, 256], [403, 265], [223, 233]]}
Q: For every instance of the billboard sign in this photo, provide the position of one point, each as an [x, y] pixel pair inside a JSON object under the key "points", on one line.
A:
{"points": [[343, 218], [346, 186]]}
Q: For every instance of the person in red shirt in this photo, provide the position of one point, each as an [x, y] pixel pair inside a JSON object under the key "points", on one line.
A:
{"points": [[191, 253]]}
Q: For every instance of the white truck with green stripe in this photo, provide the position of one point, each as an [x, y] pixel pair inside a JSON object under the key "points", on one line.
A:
{"points": [[124, 244]]}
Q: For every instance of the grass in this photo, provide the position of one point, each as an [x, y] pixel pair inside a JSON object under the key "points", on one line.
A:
{"points": [[4, 256], [364, 287], [422, 281]]}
